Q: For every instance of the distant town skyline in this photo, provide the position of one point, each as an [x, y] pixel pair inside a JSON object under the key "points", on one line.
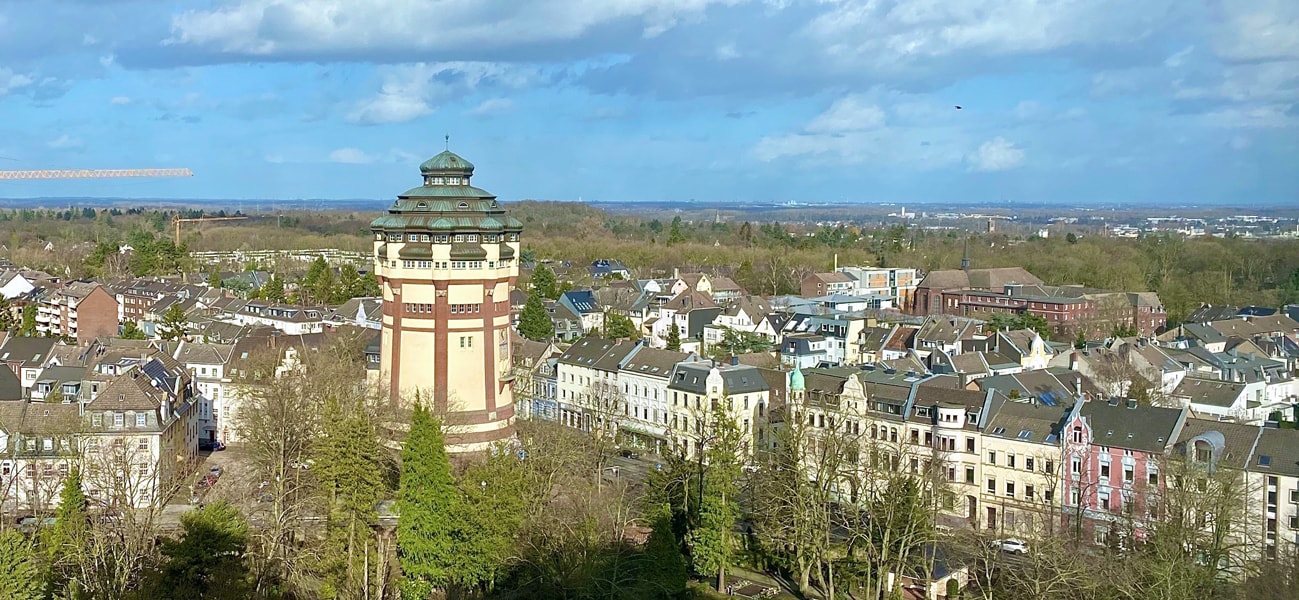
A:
{"points": [[620, 101]]}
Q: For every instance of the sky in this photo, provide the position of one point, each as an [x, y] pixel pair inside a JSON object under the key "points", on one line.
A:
{"points": [[1068, 101]]}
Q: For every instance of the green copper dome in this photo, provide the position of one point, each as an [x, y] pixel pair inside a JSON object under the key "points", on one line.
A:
{"points": [[446, 162], [796, 380]]}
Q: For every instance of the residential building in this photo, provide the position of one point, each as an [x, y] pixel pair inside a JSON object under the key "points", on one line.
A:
{"points": [[644, 378], [207, 368], [590, 397], [80, 310], [701, 391], [1114, 452], [1023, 455], [583, 305]]}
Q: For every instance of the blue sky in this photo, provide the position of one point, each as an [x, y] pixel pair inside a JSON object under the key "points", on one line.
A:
{"points": [[625, 100]]}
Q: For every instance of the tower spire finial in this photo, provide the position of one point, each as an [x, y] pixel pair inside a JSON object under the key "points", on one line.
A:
{"points": [[448, 142]]}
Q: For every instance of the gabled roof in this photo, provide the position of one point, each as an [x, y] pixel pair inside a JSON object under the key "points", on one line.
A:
{"points": [[581, 301], [654, 362], [1209, 392], [944, 329], [26, 350], [598, 353], [1028, 421], [736, 379], [1231, 443], [1133, 426], [189, 353], [1277, 451]]}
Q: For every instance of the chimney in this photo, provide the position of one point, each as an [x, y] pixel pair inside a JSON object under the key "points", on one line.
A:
{"points": [[1077, 386], [1073, 361], [735, 360], [676, 273], [1132, 404], [964, 378]]}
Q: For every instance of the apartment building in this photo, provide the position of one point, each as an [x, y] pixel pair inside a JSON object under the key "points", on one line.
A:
{"points": [[80, 310]]}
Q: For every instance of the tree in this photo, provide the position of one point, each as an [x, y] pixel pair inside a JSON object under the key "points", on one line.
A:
{"points": [[29, 321], [131, 331], [534, 321], [350, 469], [174, 325], [208, 562], [67, 538], [618, 326], [20, 572], [710, 542], [428, 502], [736, 342], [1080, 342], [1072, 238], [544, 283], [674, 338], [273, 289], [675, 236]]}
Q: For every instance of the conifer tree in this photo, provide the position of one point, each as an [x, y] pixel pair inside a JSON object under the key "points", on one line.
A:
{"points": [[428, 502], [20, 572], [618, 326], [544, 282], [173, 325], [534, 322], [674, 338], [273, 289]]}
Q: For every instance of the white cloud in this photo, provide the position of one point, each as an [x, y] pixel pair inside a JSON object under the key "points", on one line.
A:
{"points": [[492, 107], [64, 142], [120, 100], [891, 35], [350, 156], [10, 81], [411, 91], [296, 27], [727, 52], [1258, 30], [996, 155], [851, 113], [1177, 58]]}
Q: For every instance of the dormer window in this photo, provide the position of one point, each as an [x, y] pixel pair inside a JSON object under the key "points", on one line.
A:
{"points": [[463, 206]]}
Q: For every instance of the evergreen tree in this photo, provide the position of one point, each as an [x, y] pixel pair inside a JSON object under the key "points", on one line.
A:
{"points": [[710, 541], [131, 331], [20, 572], [675, 236], [674, 338], [544, 283], [1080, 341], [428, 503], [208, 562], [66, 540], [351, 475], [174, 325], [349, 284], [618, 326], [28, 327], [273, 290], [534, 321]]}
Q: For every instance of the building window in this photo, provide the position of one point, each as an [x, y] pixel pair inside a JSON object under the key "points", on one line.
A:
{"points": [[969, 445], [1010, 460], [96, 420], [1153, 478], [1075, 466], [1128, 473], [992, 457], [1010, 489], [969, 474], [118, 419], [142, 444], [1105, 470], [140, 419], [992, 486]]}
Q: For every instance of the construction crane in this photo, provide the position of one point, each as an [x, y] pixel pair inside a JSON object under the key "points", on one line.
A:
{"points": [[177, 221], [94, 173]]}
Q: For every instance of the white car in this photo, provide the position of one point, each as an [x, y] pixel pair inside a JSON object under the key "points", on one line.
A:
{"points": [[1013, 546]]}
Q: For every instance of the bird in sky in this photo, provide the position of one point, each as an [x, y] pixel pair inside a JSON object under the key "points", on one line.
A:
{"points": [[958, 107]]}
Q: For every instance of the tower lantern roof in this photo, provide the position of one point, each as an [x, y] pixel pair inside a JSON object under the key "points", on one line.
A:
{"points": [[446, 163]]}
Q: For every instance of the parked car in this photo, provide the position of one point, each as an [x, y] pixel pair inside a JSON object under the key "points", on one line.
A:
{"points": [[628, 453], [1013, 546], [210, 446]]}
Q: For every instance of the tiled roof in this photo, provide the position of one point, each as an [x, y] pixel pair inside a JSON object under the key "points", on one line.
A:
{"points": [[1133, 426]]}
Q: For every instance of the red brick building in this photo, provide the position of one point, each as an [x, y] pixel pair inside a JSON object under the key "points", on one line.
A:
{"points": [[80, 310]]}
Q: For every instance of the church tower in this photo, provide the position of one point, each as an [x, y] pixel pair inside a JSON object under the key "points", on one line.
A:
{"points": [[446, 256]]}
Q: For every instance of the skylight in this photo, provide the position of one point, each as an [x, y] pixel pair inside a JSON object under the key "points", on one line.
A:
{"points": [[1265, 460]]}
